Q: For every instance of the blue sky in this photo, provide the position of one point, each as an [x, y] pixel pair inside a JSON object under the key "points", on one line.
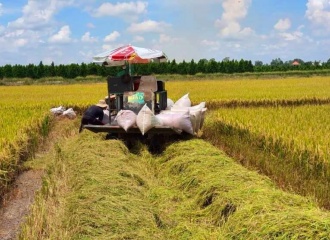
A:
{"points": [[72, 31]]}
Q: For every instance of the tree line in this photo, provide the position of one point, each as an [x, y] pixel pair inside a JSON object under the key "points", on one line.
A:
{"points": [[226, 66]]}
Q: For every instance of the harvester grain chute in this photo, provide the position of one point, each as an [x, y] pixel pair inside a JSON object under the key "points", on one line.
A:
{"points": [[144, 96]]}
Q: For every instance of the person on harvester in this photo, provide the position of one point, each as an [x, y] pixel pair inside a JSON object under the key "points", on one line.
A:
{"points": [[94, 114]]}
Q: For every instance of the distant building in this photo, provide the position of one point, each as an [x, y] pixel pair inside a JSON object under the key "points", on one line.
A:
{"points": [[295, 63]]}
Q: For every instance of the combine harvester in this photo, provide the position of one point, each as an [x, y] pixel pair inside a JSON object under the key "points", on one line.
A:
{"points": [[139, 106]]}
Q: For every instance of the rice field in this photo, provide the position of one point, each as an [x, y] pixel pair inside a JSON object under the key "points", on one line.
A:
{"points": [[249, 91], [295, 139], [303, 128], [30, 101], [190, 191], [288, 142]]}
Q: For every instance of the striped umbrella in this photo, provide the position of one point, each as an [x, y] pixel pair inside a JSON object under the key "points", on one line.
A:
{"points": [[129, 54]]}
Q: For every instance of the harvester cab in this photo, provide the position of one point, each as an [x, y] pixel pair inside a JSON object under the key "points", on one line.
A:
{"points": [[142, 101], [133, 93]]}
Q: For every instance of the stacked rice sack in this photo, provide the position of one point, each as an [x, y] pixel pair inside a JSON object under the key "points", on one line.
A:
{"points": [[180, 116], [144, 120]]}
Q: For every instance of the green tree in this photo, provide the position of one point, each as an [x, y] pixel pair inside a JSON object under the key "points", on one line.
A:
{"points": [[40, 70], [192, 67], [258, 63], [173, 67], [212, 66], [92, 69], [183, 68], [8, 71], [73, 71], [83, 70], [31, 71], [61, 71], [276, 62], [52, 70], [201, 65]]}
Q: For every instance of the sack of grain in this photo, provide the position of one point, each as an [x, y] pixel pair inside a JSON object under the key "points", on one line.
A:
{"points": [[146, 119], [126, 119], [176, 120], [170, 104], [196, 112], [184, 101]]}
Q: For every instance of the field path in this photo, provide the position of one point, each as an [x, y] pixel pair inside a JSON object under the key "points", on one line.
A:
{"points": [[97, 189], [17, 203]]}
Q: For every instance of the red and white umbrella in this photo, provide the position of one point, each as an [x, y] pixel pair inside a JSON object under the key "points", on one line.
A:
{"points": [[129, 54]]}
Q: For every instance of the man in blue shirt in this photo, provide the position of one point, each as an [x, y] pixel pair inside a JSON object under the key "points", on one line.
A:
{"points": [[93, 115]]}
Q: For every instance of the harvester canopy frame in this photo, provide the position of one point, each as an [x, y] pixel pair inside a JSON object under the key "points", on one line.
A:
{"points": [[125, 86]]}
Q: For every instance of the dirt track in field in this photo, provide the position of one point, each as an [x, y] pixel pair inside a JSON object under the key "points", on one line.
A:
{"points": [[17, 202]]}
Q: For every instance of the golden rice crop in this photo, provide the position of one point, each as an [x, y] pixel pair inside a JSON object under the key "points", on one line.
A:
{"points": [[304, 127], [52, 95], [191, 191], [299, 137], [24, 118], [23, 109], [252, 92], [21, 105]]}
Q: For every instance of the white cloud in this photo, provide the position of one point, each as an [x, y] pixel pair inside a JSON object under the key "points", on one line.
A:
{"points": [[38, 14], [1, 9], [56, 51], [47, 60], [148, 26], [20, 42], [2, 28], [112, 37], [14, 34], [318, 12], [209, 43], [163, 38], [13, 39], [138, 39], [283, 24], [87, 38], [63, 36], [229, 24], [109, 46], [90, 25], [297, 35], [125, 9]]}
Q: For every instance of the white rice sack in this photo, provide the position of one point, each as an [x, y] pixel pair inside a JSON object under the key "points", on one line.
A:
{"points": [[198, 117], [200, 105], [166, 119], [114, 121], [105, 119], [184, 101], [195, 116], [203, 117], [146, 119], [196, 107], [170, 104], [69, 113], [57, 111], [177, 120], [126, 119]]}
